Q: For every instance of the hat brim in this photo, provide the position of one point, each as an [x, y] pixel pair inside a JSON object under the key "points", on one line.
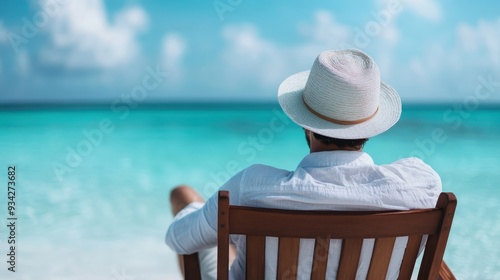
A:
{"points": [[290, 98]]}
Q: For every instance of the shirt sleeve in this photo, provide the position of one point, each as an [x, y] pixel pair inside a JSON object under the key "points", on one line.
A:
{"points": [[194, 228]]}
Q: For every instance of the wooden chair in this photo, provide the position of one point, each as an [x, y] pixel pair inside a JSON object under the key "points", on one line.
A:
{"points": [[351, 227]]}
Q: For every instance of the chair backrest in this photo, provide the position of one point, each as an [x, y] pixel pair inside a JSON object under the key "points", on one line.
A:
{"points": [[350, 227]]}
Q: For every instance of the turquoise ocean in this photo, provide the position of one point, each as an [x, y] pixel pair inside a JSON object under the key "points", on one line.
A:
{"points": [[92, 183]]}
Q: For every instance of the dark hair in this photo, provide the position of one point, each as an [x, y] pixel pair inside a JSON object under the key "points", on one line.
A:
{"points": [[341, 143]]}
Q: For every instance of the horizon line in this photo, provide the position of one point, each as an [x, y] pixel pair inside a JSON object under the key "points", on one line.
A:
{"points": [[182, 104]]}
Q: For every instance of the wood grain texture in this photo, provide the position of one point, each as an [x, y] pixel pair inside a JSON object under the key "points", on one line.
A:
{"points": [[291, 225], [288, 258], [255, 257], [410, 257], [349, 258], [320, 258], [381, 256]]}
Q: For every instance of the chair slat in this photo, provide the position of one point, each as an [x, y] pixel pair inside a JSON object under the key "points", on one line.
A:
{"points": [[381, 256], [349, 258], [445, 272], [288, 258], [192, 267], [410, 257], [320, 258], [255, 257]]}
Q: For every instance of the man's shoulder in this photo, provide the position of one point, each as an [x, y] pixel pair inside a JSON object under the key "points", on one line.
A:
{"points": [[413, 173], [260, 175], [254, 179], [414, 166], [261, 169]]}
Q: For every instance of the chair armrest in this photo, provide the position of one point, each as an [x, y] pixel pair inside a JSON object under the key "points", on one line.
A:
{"points": [[445, 272]]}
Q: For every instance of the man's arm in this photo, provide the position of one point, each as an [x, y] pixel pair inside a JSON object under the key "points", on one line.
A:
{"points": [[195, 227], [192, 230]]}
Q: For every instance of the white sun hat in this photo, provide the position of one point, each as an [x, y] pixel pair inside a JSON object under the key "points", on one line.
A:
{"points": [[342, 97]]}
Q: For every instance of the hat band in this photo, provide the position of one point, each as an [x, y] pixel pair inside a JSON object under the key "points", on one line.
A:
{"points": [[335, 120]]}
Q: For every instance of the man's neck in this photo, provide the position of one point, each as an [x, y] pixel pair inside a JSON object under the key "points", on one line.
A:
{"points": [[320, 147], [317, 146]]}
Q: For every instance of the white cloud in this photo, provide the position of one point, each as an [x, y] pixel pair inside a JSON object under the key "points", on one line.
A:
{"points": [[134, 19], [172, 54], [256, 60], [81, 36], [384, 47], [445, 70], [325, 29], [390, 34], [450, 70], [173, 49], [428, 9], [250, 58], [482, 41], [475, 47]]}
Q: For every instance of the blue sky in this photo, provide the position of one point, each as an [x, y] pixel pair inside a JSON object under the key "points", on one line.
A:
{"points": [[240, 50]]}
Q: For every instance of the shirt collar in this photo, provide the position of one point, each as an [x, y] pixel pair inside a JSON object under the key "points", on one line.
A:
{"points": [[335, 158]]}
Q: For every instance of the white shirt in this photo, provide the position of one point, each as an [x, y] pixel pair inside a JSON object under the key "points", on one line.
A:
{"points": [[334, 180]]}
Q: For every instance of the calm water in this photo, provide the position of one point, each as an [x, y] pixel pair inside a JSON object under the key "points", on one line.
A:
{"points": [[92, 185]]}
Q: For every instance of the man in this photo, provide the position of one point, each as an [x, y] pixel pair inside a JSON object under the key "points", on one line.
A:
{"points": [[340, 103]]}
